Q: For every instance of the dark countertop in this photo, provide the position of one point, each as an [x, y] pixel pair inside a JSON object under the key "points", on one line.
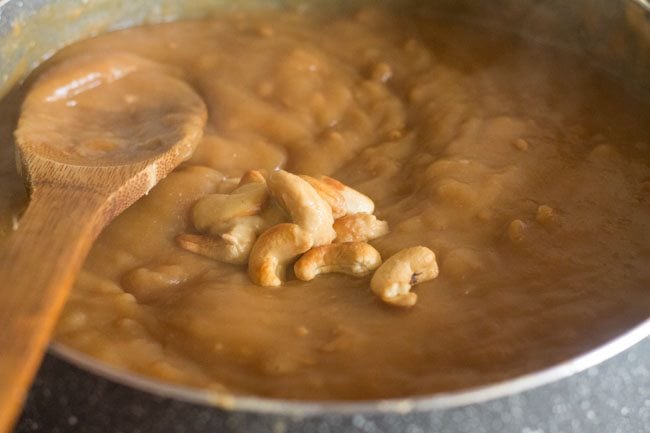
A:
{"points": [[613, 397]]}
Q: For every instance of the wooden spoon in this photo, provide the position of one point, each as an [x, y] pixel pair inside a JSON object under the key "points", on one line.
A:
{"points": [[95, 133]]}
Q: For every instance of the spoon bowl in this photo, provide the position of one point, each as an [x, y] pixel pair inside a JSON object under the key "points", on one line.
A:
{"points": [[96, 132]]}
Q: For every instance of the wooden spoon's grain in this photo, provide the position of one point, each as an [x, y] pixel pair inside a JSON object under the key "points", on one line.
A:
{"points": [[96, 133]]}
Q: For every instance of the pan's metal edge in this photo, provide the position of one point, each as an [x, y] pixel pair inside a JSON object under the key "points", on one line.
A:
{"points": [[300, 408]]}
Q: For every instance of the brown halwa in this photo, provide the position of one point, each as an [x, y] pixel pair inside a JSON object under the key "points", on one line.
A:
{"points": [[525, 171]]}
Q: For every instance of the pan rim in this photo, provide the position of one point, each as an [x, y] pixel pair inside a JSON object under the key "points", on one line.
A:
{"points": [[427, 402]]}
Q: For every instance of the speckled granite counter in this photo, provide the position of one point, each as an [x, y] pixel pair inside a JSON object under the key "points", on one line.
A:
{"points": [[611, 398]]}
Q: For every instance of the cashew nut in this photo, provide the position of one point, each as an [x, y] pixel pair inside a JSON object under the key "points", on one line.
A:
{"points": [[304, 204], [355, 202], [227, 185], [359, 227], [330, 194], [212, 213], [253, 176], [231, 241], [235, 242], [232, 247], [393, 280], [274, 250], [352, 258]]}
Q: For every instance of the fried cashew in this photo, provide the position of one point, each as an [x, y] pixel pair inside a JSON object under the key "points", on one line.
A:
{"points": [[393, 280], [274, 250], [305, 206], [232, 237], [352, 258], [355, 202], [330, 194], [253, 176], [235, 242], [359, 227], [233, 247], [228, 185], [214, 212]]}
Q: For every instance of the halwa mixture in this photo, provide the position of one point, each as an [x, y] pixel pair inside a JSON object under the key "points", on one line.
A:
{"points": [[525, 171]]}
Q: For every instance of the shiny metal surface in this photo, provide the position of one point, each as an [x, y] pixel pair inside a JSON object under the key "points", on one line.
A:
{"points": [[615, 34], [419, 403], [612, 397]]}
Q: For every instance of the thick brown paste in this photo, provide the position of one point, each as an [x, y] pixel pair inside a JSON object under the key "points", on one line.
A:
{"points": [[524, 170]]}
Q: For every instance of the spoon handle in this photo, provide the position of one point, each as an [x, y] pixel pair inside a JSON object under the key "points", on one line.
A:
{"points": [[38, 264]]}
